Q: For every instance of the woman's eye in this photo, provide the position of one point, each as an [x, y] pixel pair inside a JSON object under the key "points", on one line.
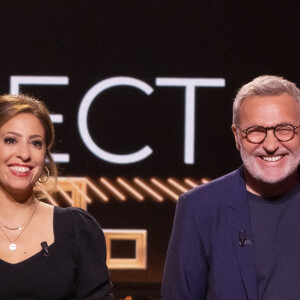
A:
{"points": [[9, 140], [37, 144]]}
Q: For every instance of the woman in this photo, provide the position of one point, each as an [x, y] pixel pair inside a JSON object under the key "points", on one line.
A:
{"points": [[46, 252]]}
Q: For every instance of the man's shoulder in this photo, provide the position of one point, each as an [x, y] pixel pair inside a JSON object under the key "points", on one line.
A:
{"points": [[219, 188]]}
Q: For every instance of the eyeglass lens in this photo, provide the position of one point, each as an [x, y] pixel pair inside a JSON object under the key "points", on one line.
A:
{"points": [[257, 134]]}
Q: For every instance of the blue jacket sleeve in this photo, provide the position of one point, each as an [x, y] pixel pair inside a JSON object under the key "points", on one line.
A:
{"points": [[186, 270]]}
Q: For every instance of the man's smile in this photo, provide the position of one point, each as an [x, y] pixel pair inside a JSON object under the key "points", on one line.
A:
{"points": [[272, 158]]}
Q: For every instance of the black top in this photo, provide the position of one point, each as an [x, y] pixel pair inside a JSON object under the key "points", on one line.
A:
{"points": [[75, 268], [276, 230]]}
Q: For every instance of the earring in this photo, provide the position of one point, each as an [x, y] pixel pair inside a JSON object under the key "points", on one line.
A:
{"points": [[45, 175]]}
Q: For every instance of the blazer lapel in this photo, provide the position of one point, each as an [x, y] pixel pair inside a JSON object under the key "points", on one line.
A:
{"points": [[238, 219]]}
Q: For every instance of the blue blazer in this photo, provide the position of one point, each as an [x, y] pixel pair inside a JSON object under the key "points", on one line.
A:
{"points": [[205, 259]]}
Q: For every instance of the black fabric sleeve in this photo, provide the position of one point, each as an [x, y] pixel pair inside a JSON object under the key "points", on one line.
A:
{"points": [[93, 279]]}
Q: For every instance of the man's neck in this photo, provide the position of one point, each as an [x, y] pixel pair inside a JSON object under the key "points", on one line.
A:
{"points": [[269, 190]]}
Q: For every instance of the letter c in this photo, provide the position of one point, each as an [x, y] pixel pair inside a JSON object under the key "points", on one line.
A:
{"points": [[83, 120]]}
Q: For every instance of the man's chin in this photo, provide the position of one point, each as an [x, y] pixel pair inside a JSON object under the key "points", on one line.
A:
{"points": [[271, 181], [271, 178]]}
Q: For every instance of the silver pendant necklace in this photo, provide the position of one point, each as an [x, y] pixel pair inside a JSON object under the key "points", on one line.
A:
{"points": [[19, 228], [13, 246]]}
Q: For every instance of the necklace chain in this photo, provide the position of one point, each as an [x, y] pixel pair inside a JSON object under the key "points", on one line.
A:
{"points": [[12, 245], [19, 227]]}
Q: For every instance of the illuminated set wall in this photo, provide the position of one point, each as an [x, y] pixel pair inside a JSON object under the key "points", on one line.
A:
{"points": [[141, 92]]}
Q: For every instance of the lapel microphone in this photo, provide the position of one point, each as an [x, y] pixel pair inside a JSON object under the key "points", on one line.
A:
{"points": [[45, 248], [243, 239]]}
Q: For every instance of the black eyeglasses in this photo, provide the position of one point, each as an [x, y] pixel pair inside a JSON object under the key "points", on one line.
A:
{"points": [[257, 134]]}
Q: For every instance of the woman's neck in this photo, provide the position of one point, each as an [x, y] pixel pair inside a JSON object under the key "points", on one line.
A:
{"points": [[15, 206]]}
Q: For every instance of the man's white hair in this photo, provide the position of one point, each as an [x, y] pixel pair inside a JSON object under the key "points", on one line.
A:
{"points": [[265, 85]]}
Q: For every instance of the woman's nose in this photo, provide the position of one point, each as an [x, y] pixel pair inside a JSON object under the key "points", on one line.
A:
{"points": [[23, 152]]}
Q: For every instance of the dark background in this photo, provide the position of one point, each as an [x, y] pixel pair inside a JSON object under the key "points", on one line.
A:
{"points": [[90, 41]]}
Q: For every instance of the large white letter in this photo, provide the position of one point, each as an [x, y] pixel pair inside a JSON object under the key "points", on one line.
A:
{"points": [[189, 123], [83, 120], [16, 81]]}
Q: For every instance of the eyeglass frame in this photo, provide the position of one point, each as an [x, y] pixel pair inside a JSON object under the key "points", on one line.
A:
{"points": [[266, 132]]}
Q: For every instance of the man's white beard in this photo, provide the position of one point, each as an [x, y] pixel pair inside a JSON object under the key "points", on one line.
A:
{"points": [[267, 175]]}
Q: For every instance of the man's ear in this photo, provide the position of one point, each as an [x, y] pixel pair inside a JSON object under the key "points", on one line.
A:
{"points": [[234, 130]]}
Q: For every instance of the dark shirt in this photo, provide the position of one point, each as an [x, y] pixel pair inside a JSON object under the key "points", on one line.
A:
{"points": [[75, 269], [276, 233]]}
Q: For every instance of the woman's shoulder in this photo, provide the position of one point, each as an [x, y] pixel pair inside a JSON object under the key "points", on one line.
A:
{"points": [[79, 219]]}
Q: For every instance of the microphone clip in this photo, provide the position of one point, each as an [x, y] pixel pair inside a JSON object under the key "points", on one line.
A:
{"points": [[45, 248], [243, 239]]}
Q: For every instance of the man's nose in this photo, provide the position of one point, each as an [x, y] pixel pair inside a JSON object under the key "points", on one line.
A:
{"points": [[271, 143]]}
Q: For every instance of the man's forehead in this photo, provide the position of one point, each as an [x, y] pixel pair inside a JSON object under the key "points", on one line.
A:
{"points": [[271, 98], [269, 110]]}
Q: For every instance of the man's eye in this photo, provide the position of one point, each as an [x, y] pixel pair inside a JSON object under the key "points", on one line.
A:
{"points": [[9, 140], [284, 130], [256, 130]]}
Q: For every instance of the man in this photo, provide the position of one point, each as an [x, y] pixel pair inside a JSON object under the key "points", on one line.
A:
{"points": [[238, 237]]}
